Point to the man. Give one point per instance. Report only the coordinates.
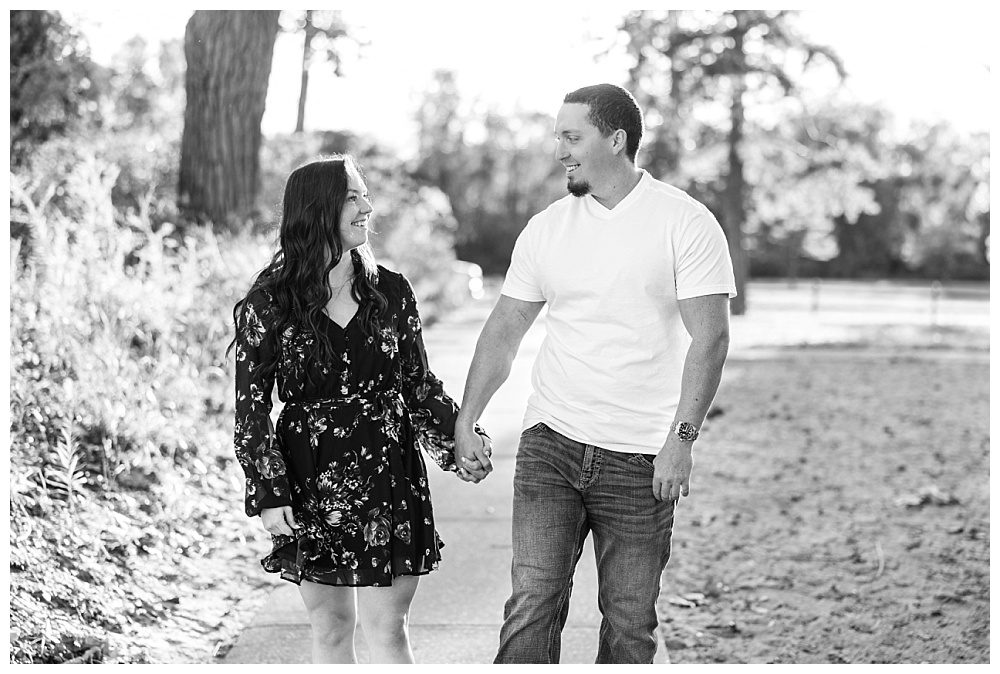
(637, 277)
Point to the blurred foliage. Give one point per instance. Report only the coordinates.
(832, 189)
(54, 86)
(946, 202)
(497, 170)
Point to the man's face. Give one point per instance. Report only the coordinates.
(581, 148)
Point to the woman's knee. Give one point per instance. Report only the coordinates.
(386, 626)
(332, 624)
(331, 612)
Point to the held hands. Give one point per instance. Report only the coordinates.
(279, 521)
(472, 455)
(672, 470)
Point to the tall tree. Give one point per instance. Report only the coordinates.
(228, 65)
(726, 53)
(324, 36)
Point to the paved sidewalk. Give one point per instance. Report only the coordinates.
(458, 609)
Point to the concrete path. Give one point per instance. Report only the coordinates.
(458, 609)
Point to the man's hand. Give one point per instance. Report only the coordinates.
(672, 470)
(472, 455)
(279, 521)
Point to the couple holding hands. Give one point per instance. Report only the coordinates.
(637, 277)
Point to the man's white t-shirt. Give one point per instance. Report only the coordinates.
(609, 370)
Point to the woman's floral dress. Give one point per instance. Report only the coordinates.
(344, 453)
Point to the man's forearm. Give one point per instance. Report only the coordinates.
(700, 381)
(489, 369)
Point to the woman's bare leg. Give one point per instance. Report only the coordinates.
(332, 616)
(385, 616)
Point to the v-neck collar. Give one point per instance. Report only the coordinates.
(345, 325)
(599, 210)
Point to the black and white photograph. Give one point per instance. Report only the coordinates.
(439, 333)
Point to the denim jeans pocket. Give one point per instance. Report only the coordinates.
(642, 460)
(537, 429)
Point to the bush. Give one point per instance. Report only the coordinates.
(118, 380)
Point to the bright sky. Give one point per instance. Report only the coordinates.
(921, 64)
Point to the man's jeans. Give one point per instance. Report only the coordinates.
(563, 490)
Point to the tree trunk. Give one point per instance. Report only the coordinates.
(733, 197)
(984, 237)
(307, 52)
(228, 65)
(675, 120)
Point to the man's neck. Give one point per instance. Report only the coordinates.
(618, 186)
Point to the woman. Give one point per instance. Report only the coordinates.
(339, 483)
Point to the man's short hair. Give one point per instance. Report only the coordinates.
(612, 108)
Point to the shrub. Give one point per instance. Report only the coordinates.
(118, 379)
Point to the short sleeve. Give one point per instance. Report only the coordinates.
(702, 265)
(522, 281)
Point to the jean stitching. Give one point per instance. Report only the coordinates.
(564, 595)
(593, 470)
(534, 431)
(587, 467)
(641, 460)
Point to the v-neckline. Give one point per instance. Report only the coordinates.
(345, 325)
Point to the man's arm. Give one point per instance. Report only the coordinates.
(495, 351)
(707, 321)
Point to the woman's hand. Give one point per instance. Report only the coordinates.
(473, 457)
(279, 521)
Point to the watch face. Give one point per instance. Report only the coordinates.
(686, 431)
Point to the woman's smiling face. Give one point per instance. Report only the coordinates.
(356, 212)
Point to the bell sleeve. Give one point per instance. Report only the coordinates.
(432, 411)
(256, 448)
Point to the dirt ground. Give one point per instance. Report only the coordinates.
(839, 513)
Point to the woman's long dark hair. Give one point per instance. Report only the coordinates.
(296, 277)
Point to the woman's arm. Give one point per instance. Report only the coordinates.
(432, 411)
(256, 449)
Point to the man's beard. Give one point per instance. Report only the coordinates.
(579, 189)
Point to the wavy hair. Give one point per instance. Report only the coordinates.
(309, 246)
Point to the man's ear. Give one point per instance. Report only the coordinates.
(619, 140)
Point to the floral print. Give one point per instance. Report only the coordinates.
(345, 452)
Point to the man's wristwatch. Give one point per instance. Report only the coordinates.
(685, 431)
